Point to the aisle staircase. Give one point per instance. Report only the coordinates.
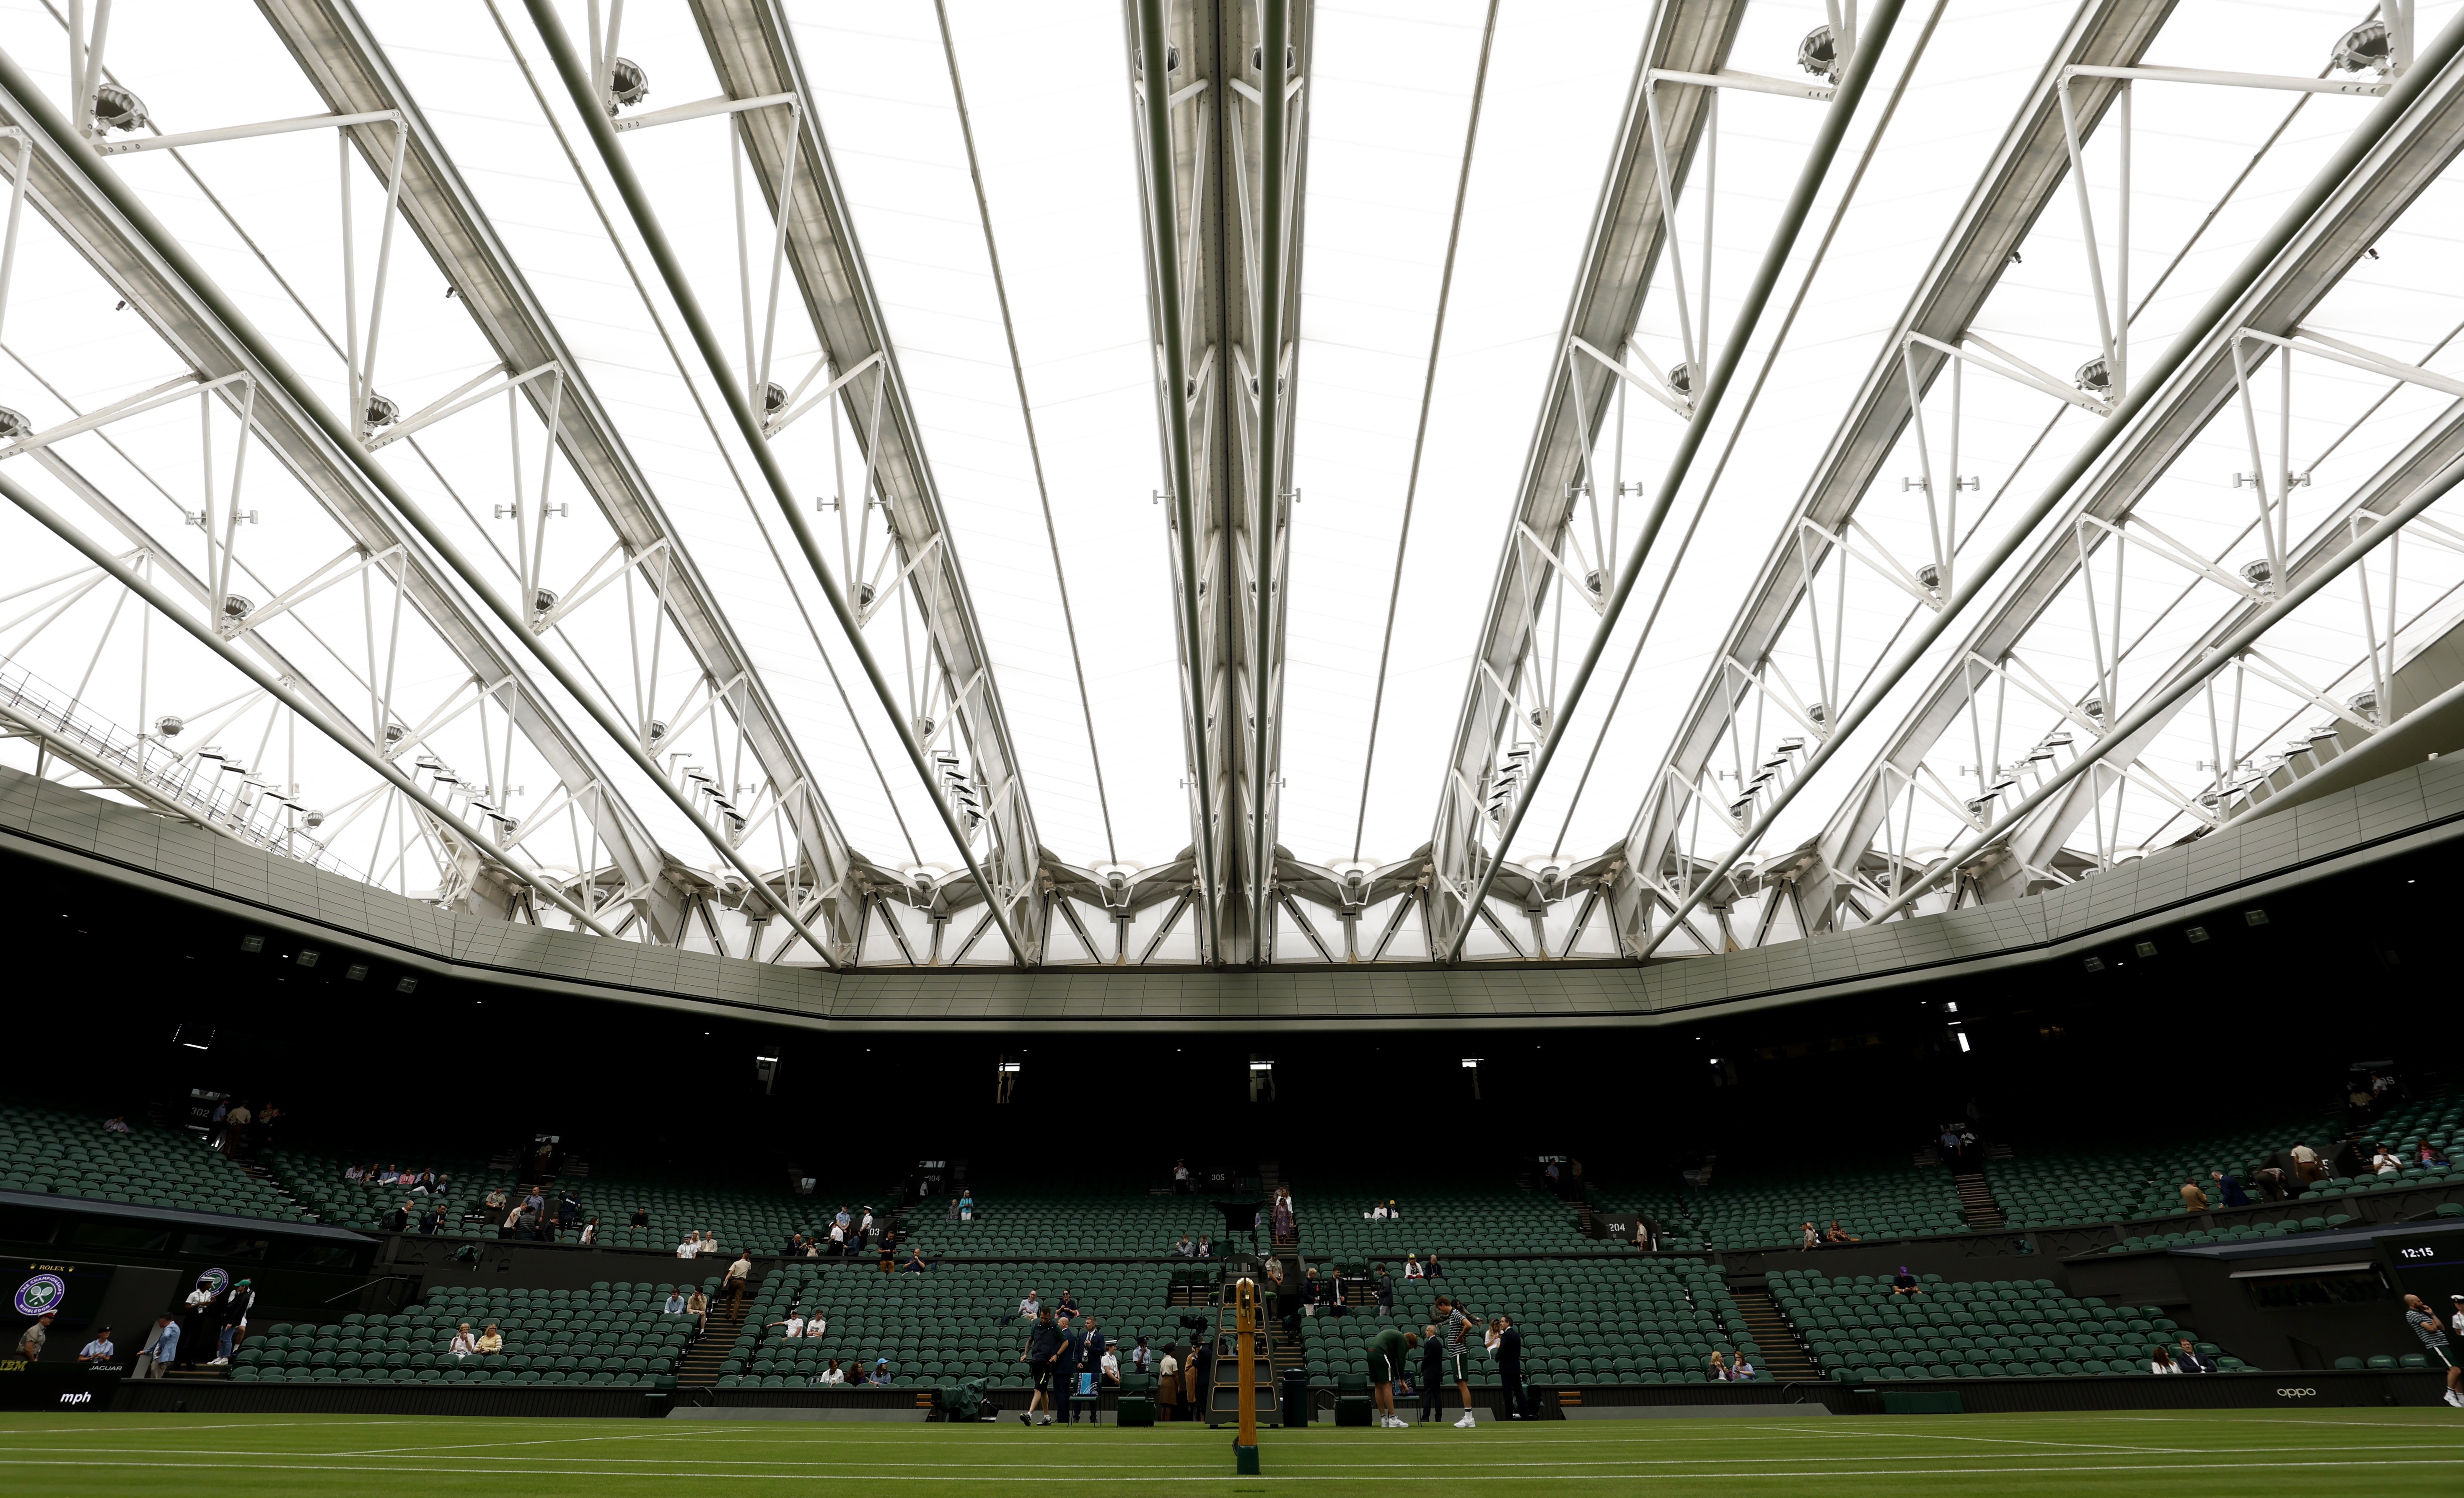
(252, 1168)
(1785, 1359)
(1976, 1201)
(717, 1343)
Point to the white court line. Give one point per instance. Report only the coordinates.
(544, 1440)
(2011, 1441)
(230, 1424)
(1467, 1476)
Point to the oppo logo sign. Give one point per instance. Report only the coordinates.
(2296, 1393)
(77, 1398)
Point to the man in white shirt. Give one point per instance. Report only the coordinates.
(1030, 1307)
(98, 1351)
(690, 1247)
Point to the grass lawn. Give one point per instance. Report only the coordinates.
(2178, 1455)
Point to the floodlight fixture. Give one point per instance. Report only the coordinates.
(628, 84)
(116, 108)
(1819, 54)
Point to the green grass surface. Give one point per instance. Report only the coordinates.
(2169, 1453)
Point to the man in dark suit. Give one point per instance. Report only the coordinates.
(1066, 1362)
(2187, 1358)
(1512, 1401)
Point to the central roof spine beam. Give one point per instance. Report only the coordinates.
(2027, 170)
(2396, 150)
(752, 49)
(103, 220)
(1222, 150)
(347, 67)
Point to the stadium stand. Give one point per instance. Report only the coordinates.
(1449, 1216)
(1628, 1321)
(72, 1154)
(612, 1333)
(1858, 1330)
(959, 1321)
(1763, 1209)
(1093, 1216)
(315, 1179)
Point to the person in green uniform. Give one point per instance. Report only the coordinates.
(1386, 1352)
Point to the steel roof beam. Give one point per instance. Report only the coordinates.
(2027, 170)
(1012, 851)
(349, 68)
(2403, 159)
(103, 222)
(753, 48)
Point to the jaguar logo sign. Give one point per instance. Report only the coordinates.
(2296, 1393)
(41, 1295)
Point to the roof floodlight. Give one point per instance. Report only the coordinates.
(2259, 573)
(628, 84)
(2094, 707)
(2364, 703)
(774, 397)
(1258, 58)
(1819, 54)
(14, 425)
(924, 726)
(544, 599)
(115, 108)
(1170, 58)
(1680, 379)
(1930, 576)
(238, 606)
(312, 820)
(2364, 49)
(382, 412)
(393, 733)
(2094, 378)
(1818, 712)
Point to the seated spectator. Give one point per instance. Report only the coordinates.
(1808, 1236)
(2228, 1189)
(952, 1215)
(388, 1176)
(432, 1219)
(1205, 1246)
(697, 1306)
(2383, 1161)
(1904, 1283)
(2194, 1200)
(396, 1220)
(1436, 1271)
(1837, 1234)
(691, 1247)
(675, 1306)
(1719, 1367)
(915, 1264)
(1742, 1371)
(1031, 1307)
(491, 1341)
(1394, 1209)
(116, 1123)
(355, 1173)
(98, 1351)
(2191, 1361)
(1184, 1249)
(792, 1327)
(2161, 1361)
(1412, 1269)
(2431, 1158)
(833, 1374)
(880, 1375)
(464, 1344)
(590, 1232)
(1067, 1304)
(1377, 1212)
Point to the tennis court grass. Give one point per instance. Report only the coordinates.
(2178, 1454)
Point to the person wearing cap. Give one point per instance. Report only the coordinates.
(235, 1305)
(98, 1351)
(880, 1372)
(2434, 1345)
